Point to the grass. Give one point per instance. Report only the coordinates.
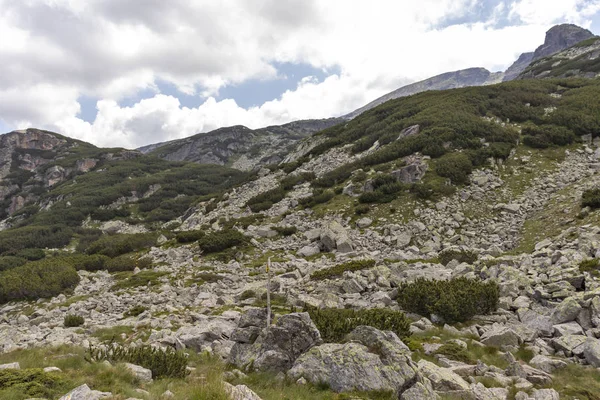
(113, 334)
(143, 278)
(577, 382)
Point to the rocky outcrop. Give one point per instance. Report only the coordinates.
(561, 37)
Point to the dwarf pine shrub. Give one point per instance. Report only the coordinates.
(591, 198)
(338, 270)
(189, 236)
(31, 382)
(455, 300)
(164, 363)
(459, 255)
(72, 321)
(221, 240)
(334, 324)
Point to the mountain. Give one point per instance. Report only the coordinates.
(558, 38)
(240, 147)
(448, 80)
(581, 60)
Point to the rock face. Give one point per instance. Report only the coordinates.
(245, 148)
(518, 66)
(372, 360)
(275, 348)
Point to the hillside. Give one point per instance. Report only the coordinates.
(464, 221)
(239, 147)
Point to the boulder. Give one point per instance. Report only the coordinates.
(442, 379)
(14, 365)
(371, 360)
(422, 389)
(83, 392)
(591, 352)
(411, 173)
(142, 374)
(240, 392)
(541, 323)
(309, 250)
(547, 364)
(500, 336)
(570, 344)
(334, 236)
(277, 347)
(364, 222)
(566, 311)
(569, 328)
(545, 394)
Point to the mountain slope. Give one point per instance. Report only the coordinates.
(239, 147)
(448, 80)
(558, 38)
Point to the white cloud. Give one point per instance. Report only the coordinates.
(55, 51)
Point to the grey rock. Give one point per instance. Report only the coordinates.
(364, 222)
(500, 336)
(547, 364)
(240, 392)
(141, 373)
(309, 250)
(566, 311)
(84, 392)
(591, 352)
(442, 379)
(14, 365)
(568, 328)
(545, 394)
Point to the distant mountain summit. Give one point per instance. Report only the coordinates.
(558, 38)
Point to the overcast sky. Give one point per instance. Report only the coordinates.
(135, 72)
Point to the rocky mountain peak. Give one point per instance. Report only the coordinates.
(560, 37)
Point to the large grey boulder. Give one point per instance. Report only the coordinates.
(541, 323)
(499, 336)
(422, 389)
(84, 392)
(141, 373)
(442, 379)
(240, 392)
(566, 311)
(591, 352)
(547, 364)
(570, 344)
(14, 365)
(277, 347)
(372, 360)
(334, 236)
(411, 173)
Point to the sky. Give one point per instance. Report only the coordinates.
(136, 72)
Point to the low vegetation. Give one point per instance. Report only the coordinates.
(334, 324)
(73, 321)
(591, 198)
(221, 240)
(454, 300)
(338, 270)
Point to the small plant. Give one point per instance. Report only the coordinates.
(189, 236)
(591, 198)
(285, 230)
(135, 311)
(338, 270)
(592, 266)
(166, 363)
(334, 324)
(361, 209)
(247, 294)
(455, 352)
(221, 240)
(72, 321)
(455, 300)
(459, 255)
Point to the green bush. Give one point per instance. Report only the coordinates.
(454, 166)
(31, 254)
(285, 230)
(27, 237)
(38, 279)
(592, 266)
(455, 352)
(221, 240)
(72, 321)
(547, 135)
(127, 262)
(361, 209)
(334, 324)
(338, 270)
(135, 311)
(459, 255)
(32, 383)
(591, 198)
(8, 262)
(265, 200)
(118, 244)
(164, 363)
(143, 278)
(319, 196)
(455, 300)
(189, 236)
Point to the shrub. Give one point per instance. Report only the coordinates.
(455, 300)
(319, 196)
(338, 270)
(454, 166)
(38, 279)
(164, 363)
(94, 262)
(591, 198)
(247, 294)
(127, 263)
(31, 254)
(265, 200)
(361, 209)
(135, 311)
(72, 321)
(285, 230)
(454, 351)
(221, 240)
(334, 324)
(115, 245)
(144, 278)
(547, 135)
(592, 266)
(8, 262)
(459, 255)
(189, 236)
(31, 383)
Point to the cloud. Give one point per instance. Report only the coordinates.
(56, 51)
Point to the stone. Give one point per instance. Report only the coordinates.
(570, 344)
(403, 240)
(142, 374)
(547, 364)
(591, 352)
(309, 250)
(277, 347)
(84, 392)
(364, 222)
(569, 328)
(411, 173)
(541, 323)
(566, 311)
(442, 379)
(500, 336)
(240, 392)
(52, 369)
(371, 360)
(545, 394)
(14, 365)
(421, 390)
